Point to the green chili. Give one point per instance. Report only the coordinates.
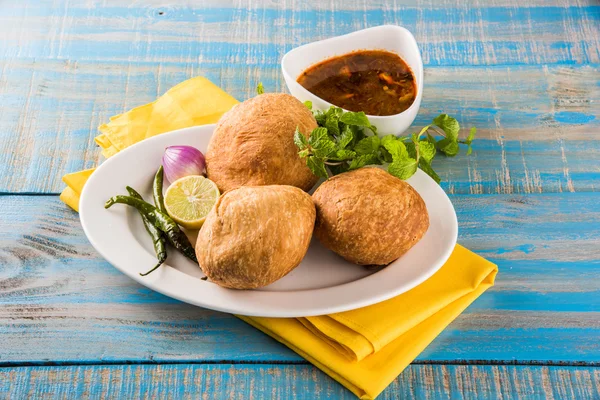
(161, 220)
(158, 238)
(157, 190)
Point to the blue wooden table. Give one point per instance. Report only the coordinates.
(527, 74)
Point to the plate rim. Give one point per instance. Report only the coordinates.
(302, 311)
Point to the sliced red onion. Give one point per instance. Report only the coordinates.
(180, 161)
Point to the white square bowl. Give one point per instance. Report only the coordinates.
(390, 38)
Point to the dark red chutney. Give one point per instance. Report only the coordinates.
(374, 81)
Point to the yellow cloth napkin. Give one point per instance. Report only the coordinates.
(363, 349)
(366, 349)
(196, 101)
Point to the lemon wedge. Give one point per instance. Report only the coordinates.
(189, 200)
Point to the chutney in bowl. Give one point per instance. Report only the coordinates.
(376, 82)
(388, 38)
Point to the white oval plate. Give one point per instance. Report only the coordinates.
(323, 283)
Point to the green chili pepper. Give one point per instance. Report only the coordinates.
(158, 238)
(161, 220)
(157, 190)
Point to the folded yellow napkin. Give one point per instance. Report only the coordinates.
(196, 101)
(363, 349)
(366, 349)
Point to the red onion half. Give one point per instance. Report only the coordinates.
(180, 161)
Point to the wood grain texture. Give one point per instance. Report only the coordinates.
(538, 127)
(252, 34)
(527, 75)
(55, 289)
(294, 382)
(66, 68)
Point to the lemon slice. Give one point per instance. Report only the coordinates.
(189, 200)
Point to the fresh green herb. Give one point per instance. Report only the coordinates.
(355, 118)
(320, 143)
(470, 140)
(404, 168)
(260, 89)
(300, 140)
(362, 160)
(448, 124)
(317, 166)
(368, 145)
(346, 140)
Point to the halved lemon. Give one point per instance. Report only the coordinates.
(189, 200)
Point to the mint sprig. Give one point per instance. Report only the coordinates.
(260, 89)
(346, 141)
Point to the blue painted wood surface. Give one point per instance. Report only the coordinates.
(527, 75)
(283, 382)
(257, 34)
(545, 307)
(537, 127)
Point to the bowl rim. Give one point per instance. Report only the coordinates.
(411, 39)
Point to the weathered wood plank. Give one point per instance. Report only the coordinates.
(294, 381)
(455, 33)
(65, 68)
(55, 289)
(351, 5)
(541, 123)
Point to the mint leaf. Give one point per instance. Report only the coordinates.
(308, 104)
(385, 155)
(423, 131)
(359, 134)
(317, 167)
(304, 153)
(388, 138)
(385, 142)
(403, 169)
(321, 143)
(343, 155)
(320, 116)
(448, 147)
(345, 137)
(332, 124)
(395, 147)
(259, 88)
(368, 145)
(430, 139)
(448, 124)
(326, 147)
(355, 118)
(470, 140)
(362, 160)
(410, 149)
(426, 150)
(317, 135)
(335, 111)
(300, 140)
(426, 167)
(471, 135)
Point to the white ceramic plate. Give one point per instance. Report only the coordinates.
(323, 283)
